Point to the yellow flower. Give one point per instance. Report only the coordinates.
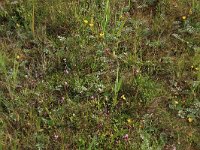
(101, 34)
(195, 68)
(129, 121)
(123, 97)
(190, 120)
(18, 57)
(91, 25)
(184, 17)
(176, 102)
(85, 21)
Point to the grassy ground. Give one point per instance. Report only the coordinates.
(100, 74)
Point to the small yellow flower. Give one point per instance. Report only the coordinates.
(91, 25)
(129, 120)
(18, 57)
(196, 69)
(176, 102)
(121, 17)
(85, 21)
(184, 17)
(123, 97)
(101, 34)
(190, 120)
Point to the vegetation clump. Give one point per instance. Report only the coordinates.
(97, 74)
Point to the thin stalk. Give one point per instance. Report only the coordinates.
(33, 19)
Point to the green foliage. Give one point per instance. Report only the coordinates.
(117, 87)
(147, 89)
(99, 74)
(149, 143)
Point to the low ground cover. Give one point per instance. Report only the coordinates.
(109, 74)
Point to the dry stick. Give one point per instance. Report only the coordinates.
(33, 20)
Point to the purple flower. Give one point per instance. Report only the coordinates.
(125, 137)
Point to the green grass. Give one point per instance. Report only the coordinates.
(108, 74)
